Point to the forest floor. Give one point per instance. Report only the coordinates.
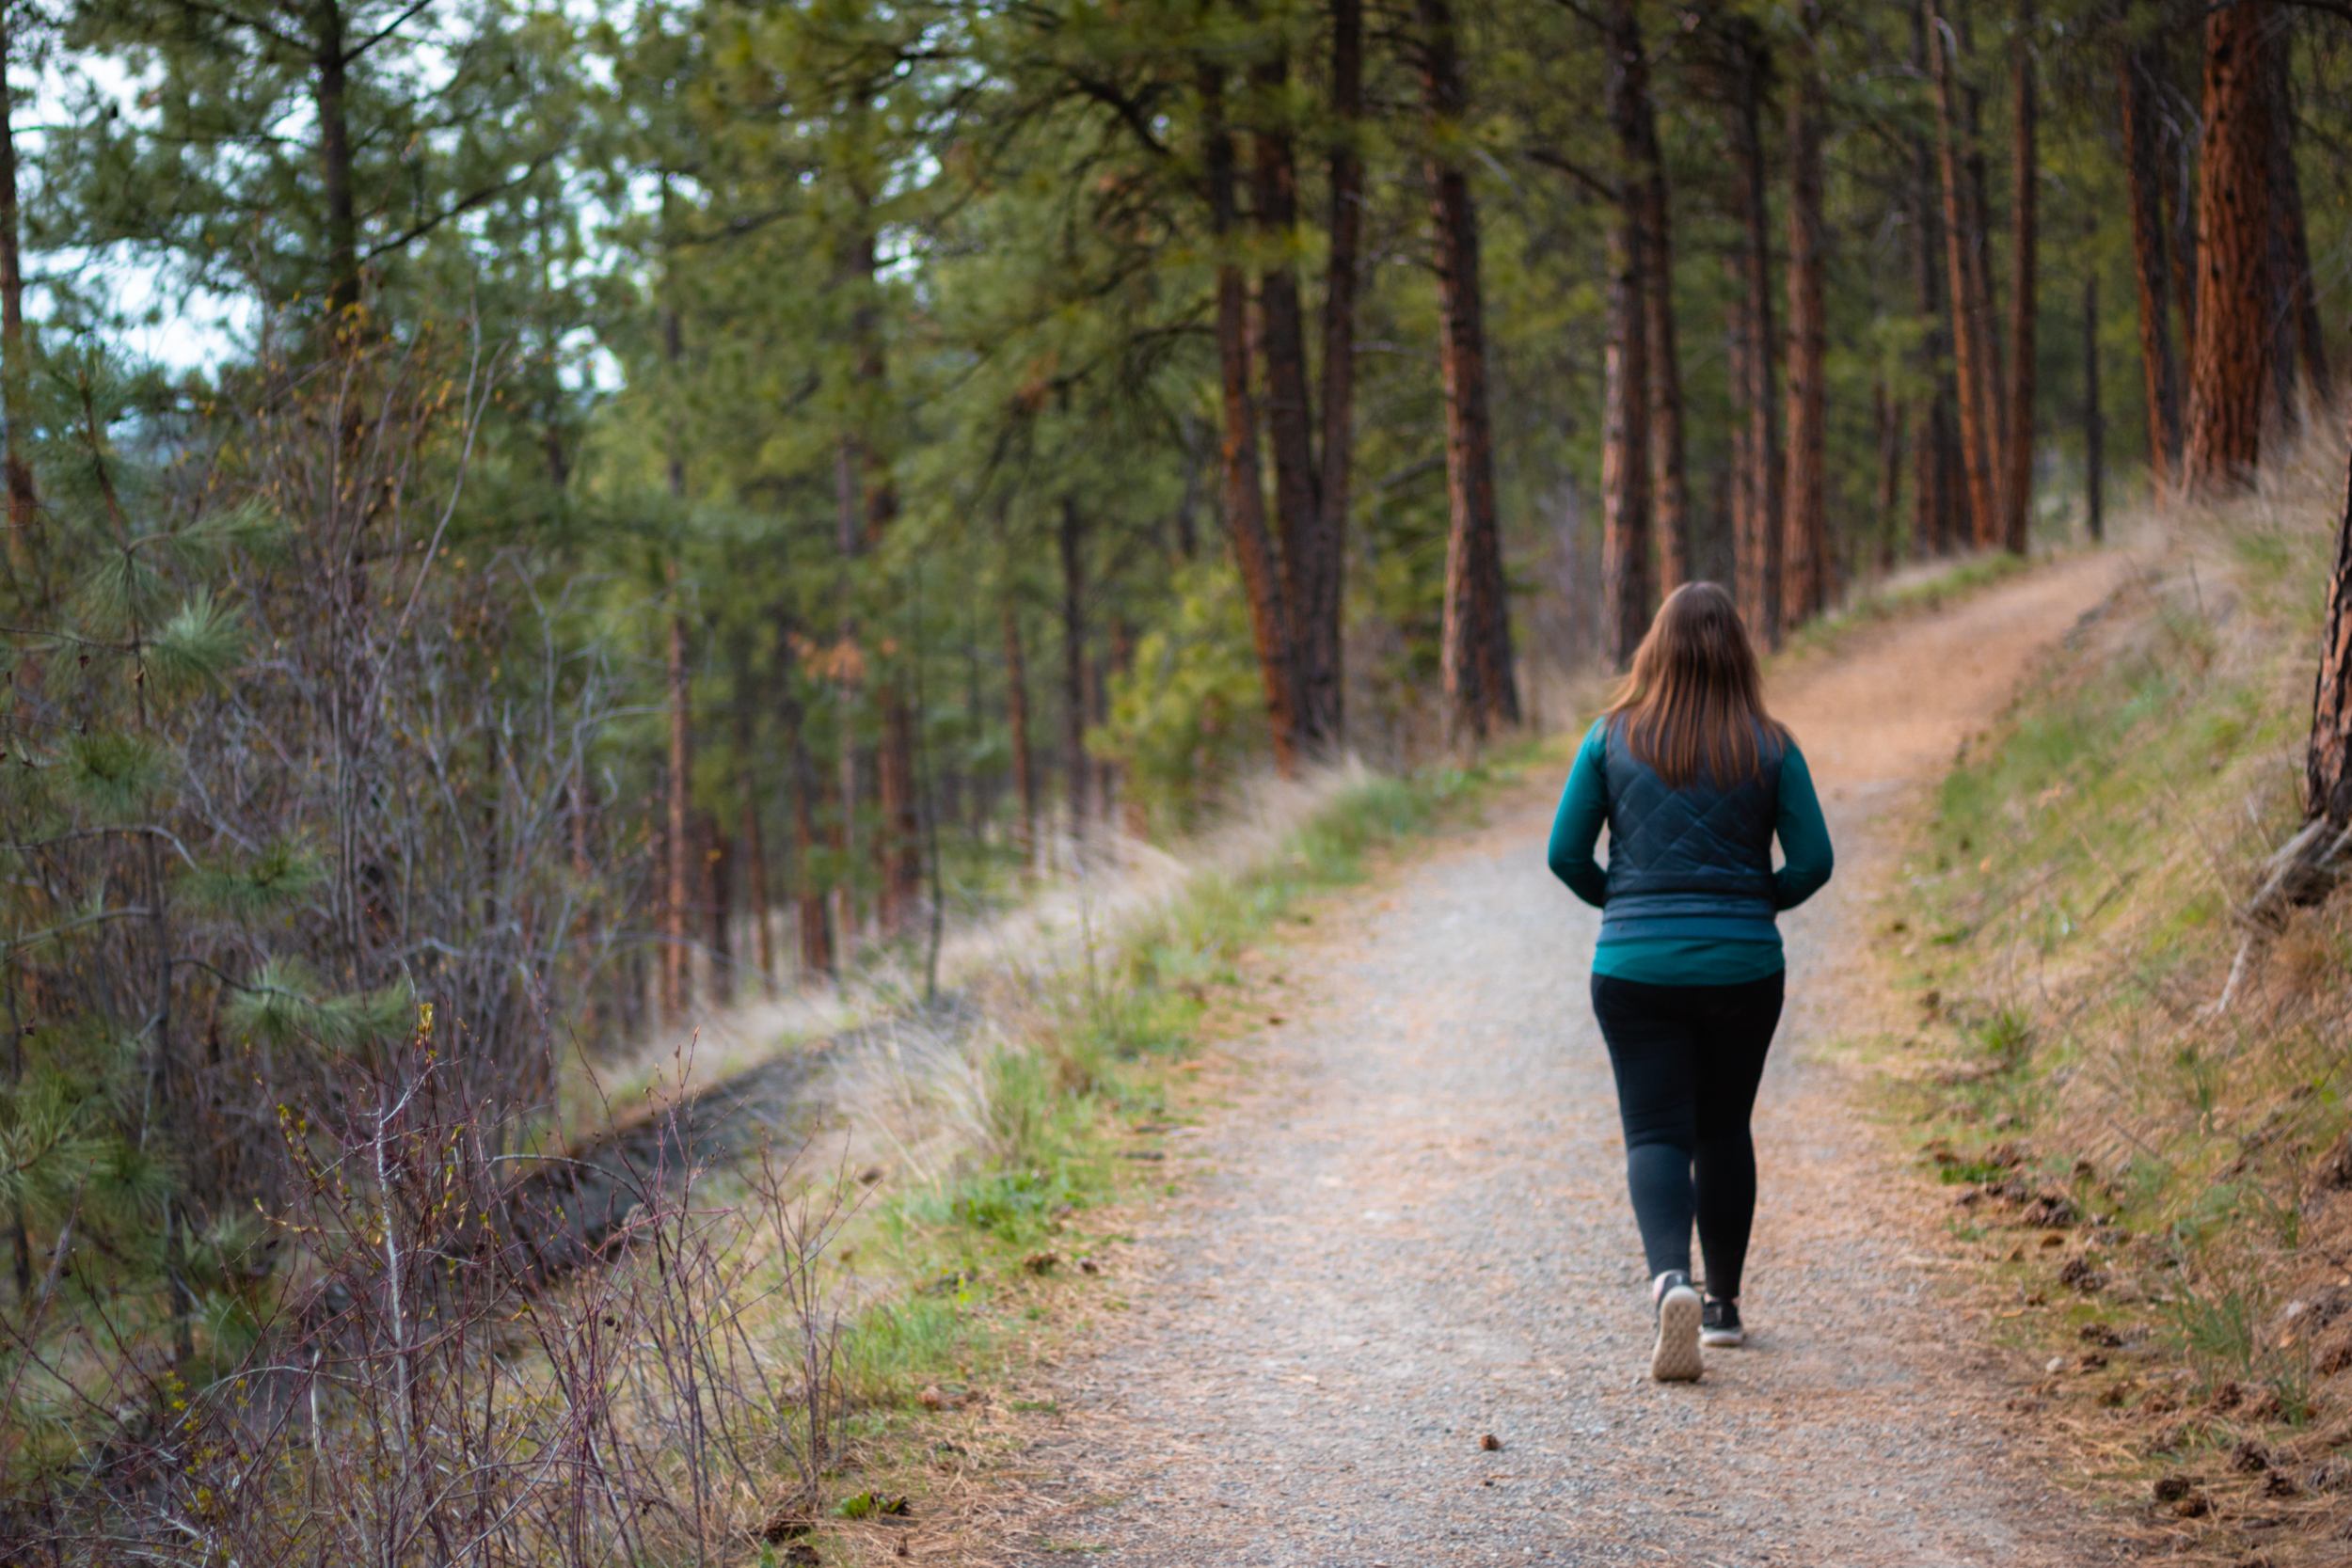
(1403, 1228)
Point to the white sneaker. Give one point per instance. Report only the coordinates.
(1676, 1356)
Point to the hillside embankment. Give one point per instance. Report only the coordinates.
(2145, 1158)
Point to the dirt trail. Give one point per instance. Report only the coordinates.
(1412, 1230)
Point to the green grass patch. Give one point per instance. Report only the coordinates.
(2132, 1159)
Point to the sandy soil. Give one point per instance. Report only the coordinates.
(1410, 1232)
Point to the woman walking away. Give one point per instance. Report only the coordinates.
(1692, 778)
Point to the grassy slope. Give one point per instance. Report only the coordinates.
(2133, 1163)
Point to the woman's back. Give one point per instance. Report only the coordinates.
(1693, 781)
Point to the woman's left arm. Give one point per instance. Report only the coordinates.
(1803, 837)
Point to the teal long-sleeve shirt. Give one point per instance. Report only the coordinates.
(1695, 961)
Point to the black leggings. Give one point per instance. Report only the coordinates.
(1688, 1059)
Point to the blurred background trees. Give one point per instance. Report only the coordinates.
(571, 517)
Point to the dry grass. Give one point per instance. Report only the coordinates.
(2150, 1177)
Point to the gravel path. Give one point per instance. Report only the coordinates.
(1411, 1232)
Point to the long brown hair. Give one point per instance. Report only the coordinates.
(1693, 702)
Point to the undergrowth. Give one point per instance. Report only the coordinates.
(2149, 1176)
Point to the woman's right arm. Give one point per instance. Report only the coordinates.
(1583, 811)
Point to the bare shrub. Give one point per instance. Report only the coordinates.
(421, 1393)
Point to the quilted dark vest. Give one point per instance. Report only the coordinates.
(1694, 861)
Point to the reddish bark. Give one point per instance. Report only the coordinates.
(1739, 491)
(1339, 348)
(2228, 356)
(1309, 545)
(1481, 686)
(1670, 482)
(1244, 500)
(2328, 765)
(2025, 181)
(1757, 541)
(1804, 550)
(1969, 335)
(1624, 462)
(2152, 266)
(1933, 453)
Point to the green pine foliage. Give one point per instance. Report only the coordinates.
(498, 469)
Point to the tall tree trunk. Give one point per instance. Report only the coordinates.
(1309, 547)
(754, 841)
(717, 879)
(756, 855)
(2095, 422)
(2328, 762)
(900, 847)
(1891, 420)
(1017, 721)
(1338, 346)
(811, 908)
(2025, 182)
(16, 384)
(1244, 497)
(330, 65)
(1743, 506)
(1669, 480)
(1625, 460)
(2298, 300)
(1934, 463)
(1968, 306)
(1988, 297)
(2152, 265)
(1077, 768)
(898, 837)
(1481, 686)
(1804, 552)
(1756, 561)
(2229, 357)
(677, 993)
(2180, 177)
